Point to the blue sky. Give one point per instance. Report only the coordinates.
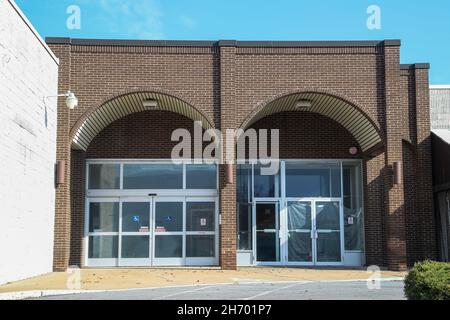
(423, 26)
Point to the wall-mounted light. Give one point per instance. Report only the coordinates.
(150, 104)
(229, 172)
(353, 151)
(60, 172)
(303, 104)
(397, 172)
(71, 99)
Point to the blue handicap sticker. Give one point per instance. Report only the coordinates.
(135, 218)
(169, 218)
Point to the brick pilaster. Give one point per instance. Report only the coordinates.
(62, 196)
(395, 115)
(424, 208)
(228, 234)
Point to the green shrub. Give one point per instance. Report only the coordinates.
(428, 280)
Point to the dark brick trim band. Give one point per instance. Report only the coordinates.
(220, 43)
(415, 66)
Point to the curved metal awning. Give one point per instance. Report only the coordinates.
(122, 106)
(350, 117)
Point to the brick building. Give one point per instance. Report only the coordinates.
(354, 186)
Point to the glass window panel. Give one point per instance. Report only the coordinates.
(169, 246)
(329, 247)
(335, 173)
(200, 246)
(201, 176)
(266, 216)
(266, 186)
(245, 227)
(299, 247)
(169, 217)
(200, 216)
(353, 211)
(104, 176)
(327, 216)
(136, 216)
(103, 247)
(299, 215)
(152, 176)
(244, 207)
(244, 183)
(305, 180)
(104, 217)
(135, 247)
(267, 246)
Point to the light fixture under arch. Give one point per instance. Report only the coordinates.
(127, 104)
(350, 117)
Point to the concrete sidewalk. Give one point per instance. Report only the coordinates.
(121, 278)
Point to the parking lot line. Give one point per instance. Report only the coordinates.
(275, 290)
(183, 292)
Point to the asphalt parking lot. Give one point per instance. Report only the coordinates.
(301, 290)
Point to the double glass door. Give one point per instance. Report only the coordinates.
(303, 232)
(154, 231)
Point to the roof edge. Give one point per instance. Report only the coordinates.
(30, 26)
(415, 66)
(219, 43)
(440, 86)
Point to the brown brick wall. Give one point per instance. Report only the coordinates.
(143, 135)
(227, 82)
(308, 135)
(78, 182)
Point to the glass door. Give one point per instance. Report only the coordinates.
(300, 232)
(168, 231)
(267, 233)
(135, 235)
(314, 232)
(328, 223)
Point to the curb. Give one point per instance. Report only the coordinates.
(22, 295)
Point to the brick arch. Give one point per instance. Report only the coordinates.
(127, 102)
(351, 116)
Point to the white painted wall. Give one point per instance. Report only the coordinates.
(28, 73)
(440, 107)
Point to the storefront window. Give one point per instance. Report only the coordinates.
(353, 211)
(244, 226)
(266, 186)
(201, 176)
(244, 206)
(103, 247)
(200, 216)
(174, 222)
(152, 176)
(200, 246)
(104, 176)
(313, 180)
(103, 217)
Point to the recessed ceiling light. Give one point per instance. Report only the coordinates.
(303, 104)
(150, 104)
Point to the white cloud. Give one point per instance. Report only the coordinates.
(141, 19)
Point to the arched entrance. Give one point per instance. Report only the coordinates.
(131, 205)
(312, 211)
